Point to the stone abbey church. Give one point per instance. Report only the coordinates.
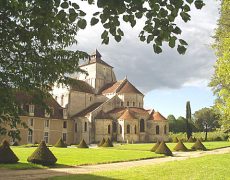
(96, 106)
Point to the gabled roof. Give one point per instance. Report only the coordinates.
(87, 110)
(95, 57)
(26, 99)
(81, 86)
(122, 86)
(127, 115)
(156, 116)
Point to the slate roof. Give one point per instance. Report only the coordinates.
(81, 86)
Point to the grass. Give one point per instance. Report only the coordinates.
(148, 146)
(209, 167)
(75, 156)
(119, 153)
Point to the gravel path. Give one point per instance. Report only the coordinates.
(7, 174)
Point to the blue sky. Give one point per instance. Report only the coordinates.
(174, 101)
(168, 80)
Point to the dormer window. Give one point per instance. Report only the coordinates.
(64, 113)
(49, 112)
(31, 110)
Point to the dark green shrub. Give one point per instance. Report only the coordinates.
(60, 143)
(180, 146)
(101, 142)
(198, 146)
(218, 138)
(108, 143)
(7, 156)
(155, 146)
(163, 149)
(42, 155)
(82, 144)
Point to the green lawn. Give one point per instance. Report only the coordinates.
(75, 156)
(211, 167)
(148, 146)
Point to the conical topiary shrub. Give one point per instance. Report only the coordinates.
(42, 155)
(82, 144)
(190, 139)
(7, 156)
(101, 142)
(108, 143)
(198, 146)
(163, 149)
(180, 146)
(175, 140)
(155, 146)
(60, 143)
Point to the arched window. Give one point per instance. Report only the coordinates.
(128, 129)
(85, 126)
(109, 129)
(120, 129)
(165, 129)
(127, 103)
(135, 129)
(142, 125)
(133, 104)
(157, 129)
(114, 127)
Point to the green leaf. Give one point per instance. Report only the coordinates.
(139, 15)
(96, 13)
(177, 30)
(64, 5)
(186, 8)
(94, 21)
(82, 23)
(75, 5)
(157, 49)
(190, 1)
(104, 34)
(172, 42)
(82, 13)
(126, 18)
(120, 32)
(150, 38)
(183, 42)
(105, 41)
(90, 1)
(117, 38)
(185, 16)
(181, 49)
(142, 38)
(199, 4)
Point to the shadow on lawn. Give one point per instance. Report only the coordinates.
(83, 177)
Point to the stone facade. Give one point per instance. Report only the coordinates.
(92, 107)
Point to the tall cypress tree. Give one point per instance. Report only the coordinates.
(188, 119)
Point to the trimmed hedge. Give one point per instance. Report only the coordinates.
(180, 146)
(175, 140)
(163, 149)
(82, 144)
(7, 156)
(42, 155)
(101, 142)
(198, 146)
(60, 143)
(155, 146)
(108, 143)
(191, 139)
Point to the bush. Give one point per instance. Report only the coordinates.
(198, 146)
(155, 146)
(101, 142)
(108, 143)
(42, 155)
(82, 144)
(163, 149)
(180, 146)
(60, 143)
(7, 156)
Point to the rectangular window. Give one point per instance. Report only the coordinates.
(31, 110)
(65, 124)
(46, 137)
(75, 127)
(47, 123)
(121, 104)
(30, 137)
(31, 122)
(133, 104)
(64, 137)
(64, 113)
(127, 103)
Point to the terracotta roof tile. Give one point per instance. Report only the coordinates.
(156, 116)
(127, 87)
(111, 87)
(127, 115)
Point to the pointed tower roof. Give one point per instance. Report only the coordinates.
(96, 54)
(127, 115)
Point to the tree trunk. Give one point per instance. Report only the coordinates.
(206, 132)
